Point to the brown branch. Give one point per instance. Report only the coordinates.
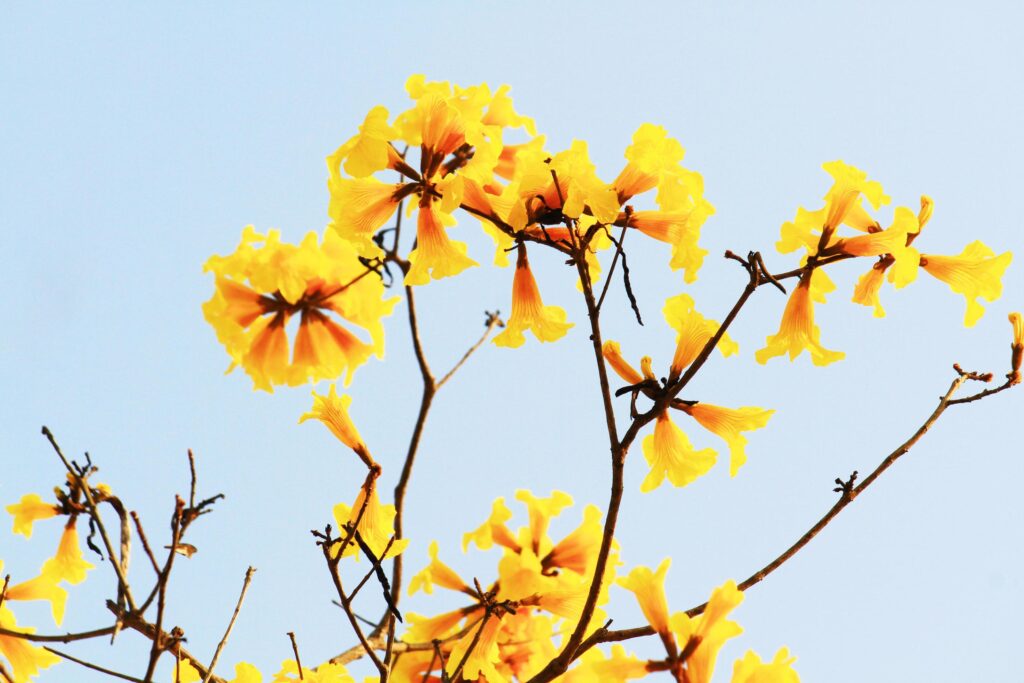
(346, 606)
(231, 624)
(615, 258)
(162, 581)
(489, 324)
(982, 394)
(65, 638)
(295, 649)
(849, 492)
(5, 674)
(560, 663)
(83, 484)
(172, 643)
(145, 542)
(94, 667)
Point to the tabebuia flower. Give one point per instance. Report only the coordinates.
(976, 273)
(374, 521)
(437, 573)
(435, 256)
(704, 635)
(266, 283)
(332, 411)
(67, 563)
(481, 659)
(649, 589)
(528, 310)
(42, 587)
(750, 669)
(670, 454)
(1017, 347)
(29, 510)
(729, 424)
(693, 332)
(797, 331)
(613, 356)
(24, 658)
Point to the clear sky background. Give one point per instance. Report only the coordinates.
(138, 140)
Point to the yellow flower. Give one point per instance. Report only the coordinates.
(651, 154)
(332, 410)
(67, 563)
(976, 273)
(849, 184)
(613, 356)
(869, 284)
(892, 240)
(29, 510)
(425, 629)
(42, 587)
(246, 673)
(482, 658)
(370, 150)
(529, 312)
(728, 423)
(25, 658)
(541, 511)
(617, 668)
(710, 630)
(494, 530)
(694, 331)
(797, 330)
(318, 282)
(670, 453)
(360, 207)
(435, 256)
(578, 551)
(325, 673)
(649, 589)
(184, 672)
(437, 572)
(750, 669)
(681, 230)
(376, 526)
(1017, 348)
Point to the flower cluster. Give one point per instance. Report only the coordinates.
(975, 273)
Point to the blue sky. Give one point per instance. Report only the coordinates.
(139, 140)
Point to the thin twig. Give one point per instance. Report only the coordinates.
(490, 323)
(94, 514)
(145, 542)
(560, 663)
(65, 638)
(849, 493)
(5, 674)
(615, 260)
(94, 667)
(192, 484)
(3, 591)
(231, 624)
(295, 649)
(162, 581)
(172, 642)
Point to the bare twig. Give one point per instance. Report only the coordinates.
(94, 515)
(490, 323)
(145, 542)
(94, 667)
(162, 581)
(64, 638)
(295, 649)
(192, 484)
(231, 624)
